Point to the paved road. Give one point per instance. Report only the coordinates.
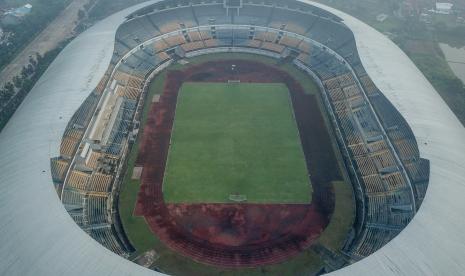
(57, 31)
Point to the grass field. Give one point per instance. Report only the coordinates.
(335, 233)
(137, 230)
(235, 139)
(307, 83)
(170, 261)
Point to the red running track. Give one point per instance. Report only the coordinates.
(236, 235)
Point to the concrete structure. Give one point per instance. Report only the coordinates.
(382, 17)
(38, 237)
(14, 16)
(444, 8)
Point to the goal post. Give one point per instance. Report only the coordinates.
(238, 198)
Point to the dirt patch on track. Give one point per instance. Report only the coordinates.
(236, 235)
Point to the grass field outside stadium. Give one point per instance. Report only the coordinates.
(235, 140)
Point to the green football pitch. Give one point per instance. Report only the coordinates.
(235, 141)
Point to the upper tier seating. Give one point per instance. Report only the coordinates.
(290, 21)
(248, 15)
(211, 15)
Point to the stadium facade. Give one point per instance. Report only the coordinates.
(357, 67)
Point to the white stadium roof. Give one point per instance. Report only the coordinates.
(38, 237)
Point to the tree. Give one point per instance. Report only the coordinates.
(440, 26)
(38, 58)
(24, 73)
(9, 87)
(81, 14)
(17, 81)
(30, 69)
(3, 97)
(32, 61)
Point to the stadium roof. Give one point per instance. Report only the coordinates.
(38, 237)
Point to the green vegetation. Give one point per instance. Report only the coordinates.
(365, 10)
(335, 233)
(438, 72)
(235, 139)
(16, 38)
(137, 230)
(170, 262)
(42, 13)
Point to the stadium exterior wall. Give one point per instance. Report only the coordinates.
(38, 237)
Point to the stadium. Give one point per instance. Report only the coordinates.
(227, 137)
